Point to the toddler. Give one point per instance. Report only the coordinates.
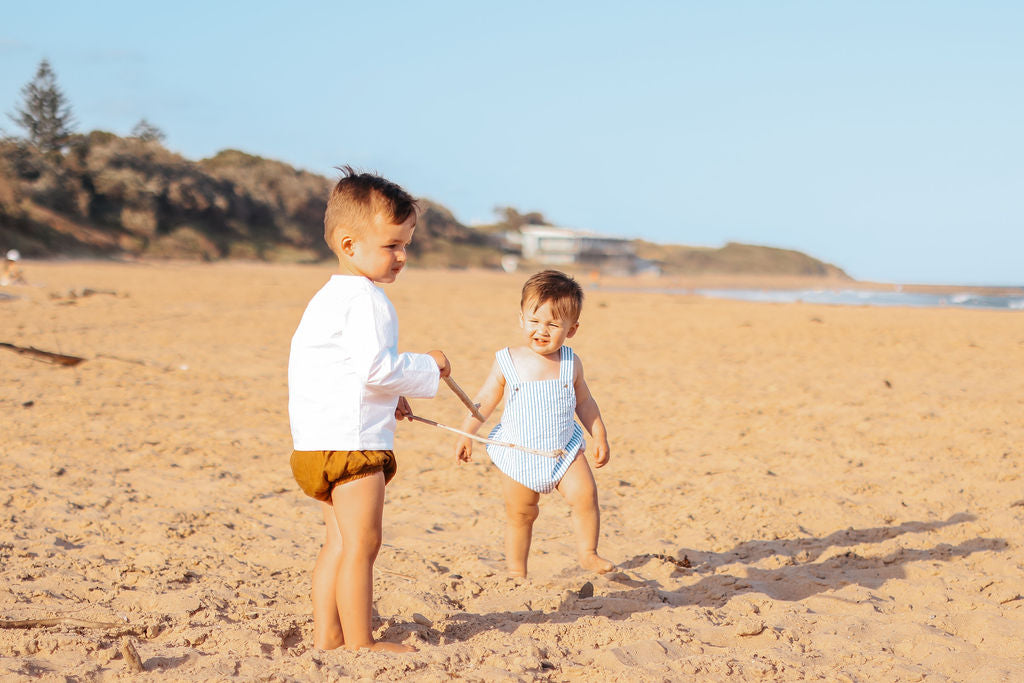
(544, 388)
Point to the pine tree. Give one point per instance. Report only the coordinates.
(147, 132)
(45, 113)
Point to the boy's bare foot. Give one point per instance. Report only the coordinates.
(595, 563)
(329, 641)
(396, 648)
(329, 644)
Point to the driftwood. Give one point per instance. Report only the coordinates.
(63, 359)
(399, 574)
(56, 621)
(45, 356)
(82, 292)
(136, 361)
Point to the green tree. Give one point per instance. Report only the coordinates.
(147, 132)
(45, 113)
(511, 219)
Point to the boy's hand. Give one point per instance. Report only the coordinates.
(442, 362)
(602, 454)
(464, 449)
(403, 411)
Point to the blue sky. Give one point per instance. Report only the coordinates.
(884, 137)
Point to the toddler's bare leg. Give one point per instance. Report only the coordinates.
(359, 511)
(521, 511)
(327, 633)
(580, 491)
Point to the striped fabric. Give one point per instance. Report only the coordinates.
(540, 415)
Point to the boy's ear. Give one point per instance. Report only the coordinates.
(347, 244)
(572, 330)
(522, 320)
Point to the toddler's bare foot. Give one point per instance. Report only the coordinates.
(595, 563)
(515, 572)
(396, 648)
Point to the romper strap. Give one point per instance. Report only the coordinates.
(508, 368)
(566, 365)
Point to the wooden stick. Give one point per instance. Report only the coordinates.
(399, 574)
(136, 361)
(46, 356)
(547, 454)
(464, 397)
(55, 621)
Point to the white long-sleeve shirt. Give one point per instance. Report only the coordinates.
(345, 373)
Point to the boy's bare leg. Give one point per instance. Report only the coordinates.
(327, 633)
(359, 511)
(579, 490)
(521, 511)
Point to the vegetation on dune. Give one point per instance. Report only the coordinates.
(67, 194)
(735, 259)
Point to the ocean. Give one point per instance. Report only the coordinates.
(1012, 301)
(853, 297)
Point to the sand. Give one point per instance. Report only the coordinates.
(795, 491)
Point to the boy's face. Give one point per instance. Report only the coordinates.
(379, 254)
(545, 330)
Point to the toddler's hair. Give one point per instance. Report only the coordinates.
(358, 199)
(564, 293)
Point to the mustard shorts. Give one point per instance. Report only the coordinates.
(318, 472)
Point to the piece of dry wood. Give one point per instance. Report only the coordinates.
(547, 454)
(56, 621)
(45, 356)
(136, 361)
(464, 397)
(394, 573)
(131, 656)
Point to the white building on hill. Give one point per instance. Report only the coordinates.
(554, 246)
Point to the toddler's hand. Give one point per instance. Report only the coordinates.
(464, 449)
(442, 362)
(403, 411)
(602, 454)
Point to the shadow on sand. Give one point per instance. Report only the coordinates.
(799, 576)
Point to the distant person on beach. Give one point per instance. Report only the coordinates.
(543, 384)
(12, 273)
(346, 390)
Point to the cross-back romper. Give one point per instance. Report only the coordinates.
(539, 414)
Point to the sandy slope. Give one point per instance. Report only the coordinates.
(845, 484)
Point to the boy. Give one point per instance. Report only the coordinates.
(545, 389)
(346, 389)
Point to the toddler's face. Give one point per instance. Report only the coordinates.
(380, 254)
(545, 330)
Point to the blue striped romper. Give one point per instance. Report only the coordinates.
(541, 415)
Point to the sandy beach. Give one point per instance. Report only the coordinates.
(796, 492)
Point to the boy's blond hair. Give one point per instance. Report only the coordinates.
(358, 200)
(564, 293)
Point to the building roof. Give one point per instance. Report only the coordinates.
(555, 231)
